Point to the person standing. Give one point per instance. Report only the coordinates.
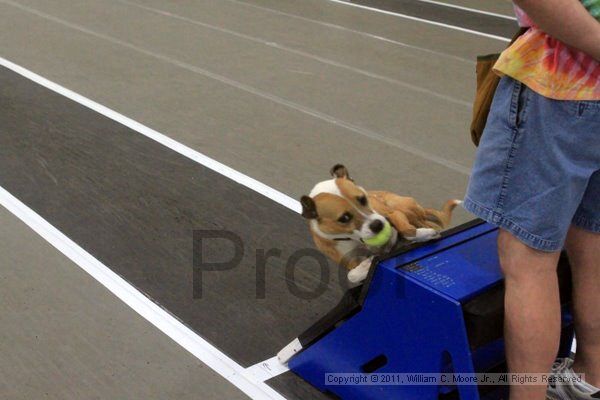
(537, 177)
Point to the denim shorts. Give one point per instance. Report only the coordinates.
(537, 169)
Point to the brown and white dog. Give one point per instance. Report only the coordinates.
(342, 215)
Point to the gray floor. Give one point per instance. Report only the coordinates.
(277, 89)
(63, 336)
(503, 7)
(395, 131)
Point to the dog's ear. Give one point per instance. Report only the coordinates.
(309, 208)
(339, 171)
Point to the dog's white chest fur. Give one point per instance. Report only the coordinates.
(345, 247)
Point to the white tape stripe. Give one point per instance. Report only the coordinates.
(153, 313)
(185, 151)
(259, 93)
(300, 53)
(232, 82)
(187, 338)
(354, 31)
(265, 370)
(426, 21)
(473, 10)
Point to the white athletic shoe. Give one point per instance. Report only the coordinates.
(570, 390)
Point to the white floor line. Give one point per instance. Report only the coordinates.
(293, 51)
(182, 149)
(473, 10)
(265, 370)
(353, 31)
(257, 92)
(426, 21)
(243, 379)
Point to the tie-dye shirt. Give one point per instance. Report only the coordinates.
(550, 67)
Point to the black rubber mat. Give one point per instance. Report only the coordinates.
(135, 204)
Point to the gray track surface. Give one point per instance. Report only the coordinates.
(442, 13)
(503, 7)
(394, 131)
(277, 89)
(63, 336)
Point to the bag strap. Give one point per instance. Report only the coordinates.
(518, 34)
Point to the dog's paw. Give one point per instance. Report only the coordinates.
(424, 234)
(360, 272)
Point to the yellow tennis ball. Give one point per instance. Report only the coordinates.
(381, 238)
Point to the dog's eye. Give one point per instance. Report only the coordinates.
(345, 218)
(362, 200)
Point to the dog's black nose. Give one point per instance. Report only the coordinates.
(376, 226)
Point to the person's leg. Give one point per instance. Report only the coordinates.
(533, 165)
(532, 311)
(583, 248)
